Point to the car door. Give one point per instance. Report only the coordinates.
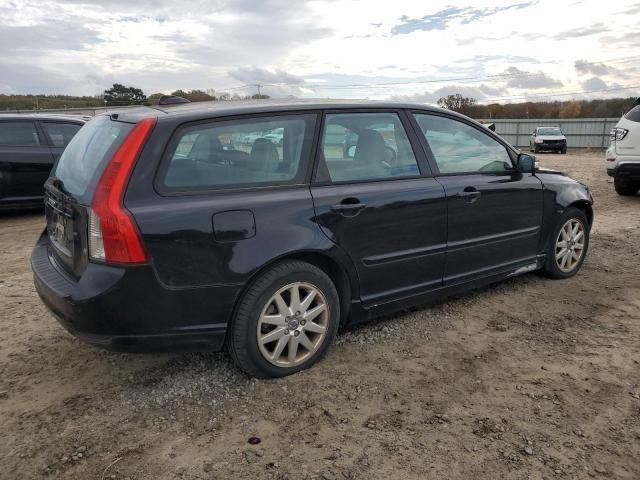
(25, 159)
(374, 197)
(494, 211)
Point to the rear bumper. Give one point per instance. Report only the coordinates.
(625, 170)
(127, 309)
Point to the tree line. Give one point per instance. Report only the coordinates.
(600, 108)
(116, 96)
(121, 95)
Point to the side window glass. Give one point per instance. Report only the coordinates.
(60, 133)
(19, 134)
(365, 146)
(258, 151)
(460, 148)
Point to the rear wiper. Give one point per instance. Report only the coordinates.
(58, 184)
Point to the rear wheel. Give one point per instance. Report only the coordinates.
(569, 245)
(625, 187)
(564, 150)
(285, 321)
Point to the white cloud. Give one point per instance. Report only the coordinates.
(336, 48)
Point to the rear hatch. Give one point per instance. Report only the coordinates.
(629, 144)
(70, 188)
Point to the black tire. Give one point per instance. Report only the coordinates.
(242, 340)
(551, 268)
(536, 149)
(564, 150)
(625, 187)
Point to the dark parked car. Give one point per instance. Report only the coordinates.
(29, 146)
(165, 230)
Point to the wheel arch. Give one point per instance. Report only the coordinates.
(346, 284)
(586, 207)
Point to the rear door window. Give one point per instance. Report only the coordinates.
(60, 134)
(87, 154)
(19, 134)
(258, 151)
(365, 146)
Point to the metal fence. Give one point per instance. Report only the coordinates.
(580, 132)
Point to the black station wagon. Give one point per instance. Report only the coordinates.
(266, 226)
(29, 146)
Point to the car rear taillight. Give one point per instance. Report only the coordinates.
(113, 234)
(618, 133)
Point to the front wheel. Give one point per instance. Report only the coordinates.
(625, 187)
(285, 321)
(569, 245)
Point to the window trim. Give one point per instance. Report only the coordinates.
(39, 134)
(54, 122)
(161, 171)
(431, 157)
(421, 161)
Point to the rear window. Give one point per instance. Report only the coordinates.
(259, 151)
(86, 156)
(633, 114)
(19, 134)
(60, 134)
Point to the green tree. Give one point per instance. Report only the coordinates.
(154, 98)
(119, 95)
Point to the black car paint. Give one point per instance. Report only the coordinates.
(393, 253)
(24, 169)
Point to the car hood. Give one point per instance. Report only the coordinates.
(549, 171)
(551, 177)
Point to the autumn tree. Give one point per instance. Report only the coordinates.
(457, 103)
(570, 110)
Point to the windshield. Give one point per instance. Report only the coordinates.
(84, 159)
(549, 131)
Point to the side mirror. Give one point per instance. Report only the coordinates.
(526, 163)
(351, 151)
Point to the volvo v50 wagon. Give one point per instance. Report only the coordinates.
(166, 228)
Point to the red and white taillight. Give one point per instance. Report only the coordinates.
(618, 133)
(113, 234)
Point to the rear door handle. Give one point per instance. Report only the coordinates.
(348, 208)
(469, 194)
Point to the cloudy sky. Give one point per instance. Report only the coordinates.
(399, 49)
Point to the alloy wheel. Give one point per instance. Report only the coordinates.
(293, 324)
(570, 245)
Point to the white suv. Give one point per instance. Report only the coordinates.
(623, 156)
(548, 138)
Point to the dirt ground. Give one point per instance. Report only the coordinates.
(528, 379)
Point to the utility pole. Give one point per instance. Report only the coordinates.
(258, 87)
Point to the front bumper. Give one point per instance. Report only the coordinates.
(552, 145)
(127, 309)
